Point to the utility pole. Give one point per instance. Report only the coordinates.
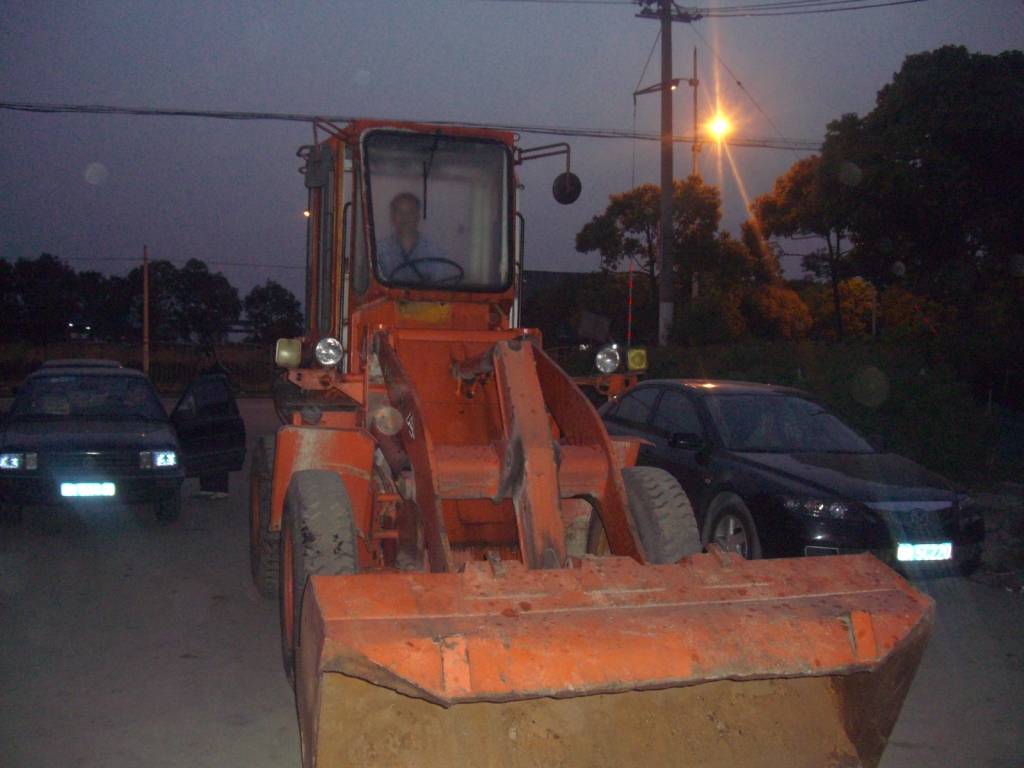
(145, 311)
(694, 82)
(666, 13)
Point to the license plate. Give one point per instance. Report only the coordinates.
(79, 490)
(915, 553)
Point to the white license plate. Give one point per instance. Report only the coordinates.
(915, 553)
(79, 490)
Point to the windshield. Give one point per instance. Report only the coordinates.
(88, 397)
(439, 210)
(774, 423)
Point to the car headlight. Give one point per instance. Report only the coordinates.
(835, 510)
(328, 351)
(608, 359)
(12, 460)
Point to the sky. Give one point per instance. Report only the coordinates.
(94, 189)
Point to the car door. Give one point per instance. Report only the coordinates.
(210, 429)
(679, 443)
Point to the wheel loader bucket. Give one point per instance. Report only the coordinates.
(713, 661)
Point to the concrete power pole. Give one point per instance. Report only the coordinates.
(666, 301)
(666, 13)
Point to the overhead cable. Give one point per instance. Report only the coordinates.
(599, 133)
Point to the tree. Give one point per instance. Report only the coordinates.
(274, 312)
(629, 229)
(941, 158)
(807, 202)
(9, 310)
(103, 304)
(163, 292)
(46, 295)
(206, 304)
(775, 312)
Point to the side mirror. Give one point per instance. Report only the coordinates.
(318, 166)
(567, 188)
(688, 441)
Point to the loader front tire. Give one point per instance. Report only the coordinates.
(663, 515)
(318, 538)
(264, 544)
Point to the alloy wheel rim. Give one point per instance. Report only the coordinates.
(731, 535)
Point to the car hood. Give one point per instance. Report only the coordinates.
(864, 477)
(91, 435)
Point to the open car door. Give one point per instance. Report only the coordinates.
(211, 432)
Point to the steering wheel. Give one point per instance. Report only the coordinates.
(411, 265)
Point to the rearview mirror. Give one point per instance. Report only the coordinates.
(567, 188)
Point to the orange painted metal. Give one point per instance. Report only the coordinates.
(497, 452)
(610, 625)
(610, 385)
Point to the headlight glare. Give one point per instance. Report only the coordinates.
(12, 460)
(328, 351)
(608, 359)
(165, 459)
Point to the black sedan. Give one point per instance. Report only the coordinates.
(83, 433)
(772, 473)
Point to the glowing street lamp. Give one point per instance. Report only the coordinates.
(719, 127)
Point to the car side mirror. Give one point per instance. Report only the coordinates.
(688, 441)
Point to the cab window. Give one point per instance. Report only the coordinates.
(439, 210)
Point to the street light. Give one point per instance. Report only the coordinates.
(719, 127)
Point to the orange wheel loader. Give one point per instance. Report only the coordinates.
(470, 571)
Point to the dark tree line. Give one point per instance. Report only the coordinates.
(44, 300)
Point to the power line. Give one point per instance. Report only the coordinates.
(600, 133)
(181, 261)
(793, 8)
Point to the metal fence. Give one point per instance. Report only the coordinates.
(171, 366)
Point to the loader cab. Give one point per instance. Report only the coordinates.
(439, 212)
(408, 226)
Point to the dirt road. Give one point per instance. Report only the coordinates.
(124, 644)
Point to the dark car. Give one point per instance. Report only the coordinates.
(85, 433)
(771, 473)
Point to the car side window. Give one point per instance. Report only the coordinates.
(635, 407)
(212, 397)
(676, 413)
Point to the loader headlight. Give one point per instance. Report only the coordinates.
(608, 359)
(328, 351)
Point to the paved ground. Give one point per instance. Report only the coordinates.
(127, 644)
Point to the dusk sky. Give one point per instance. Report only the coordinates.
(92, 189)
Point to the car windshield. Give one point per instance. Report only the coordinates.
(439, 210)
(84, 396)
(779, 423)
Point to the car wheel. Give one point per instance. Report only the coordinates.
(730, 525)
(168, 510)
(318, 539)
(662, 513)
(264, 544)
